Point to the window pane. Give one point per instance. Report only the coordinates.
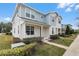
(18, 29)
(32, 16)
(27, 28)
(32, 28)
(59, 21)
(28, 32)
(32, 32)
(27, 15)
(52, 31)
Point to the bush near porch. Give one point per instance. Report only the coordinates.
(32, 39)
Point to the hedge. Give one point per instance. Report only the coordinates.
(8, 33)
(54, 37)
(30, 40)
(20, 51)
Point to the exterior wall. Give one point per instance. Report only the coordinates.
(55, 25)
(23, 10)
(20, 25)
(17, 27)
(15, 24)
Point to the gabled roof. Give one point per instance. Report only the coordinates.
(20, 4)
(16, 10)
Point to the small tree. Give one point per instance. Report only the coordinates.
(68, 30)
(77, 22)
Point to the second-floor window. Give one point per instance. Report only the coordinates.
(27, 15)
(32, 16)
(42, 16)
(59, 22)
(53, 20)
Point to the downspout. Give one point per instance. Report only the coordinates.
(40, 33)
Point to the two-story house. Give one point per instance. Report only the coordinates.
(28, 22)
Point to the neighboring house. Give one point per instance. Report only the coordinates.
(28, 22)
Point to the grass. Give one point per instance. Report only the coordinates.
(40, 50)
(65, 40)
(5, 41)
(48, 50)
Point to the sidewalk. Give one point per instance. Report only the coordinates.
(73, 50)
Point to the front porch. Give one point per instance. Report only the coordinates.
(35, 29)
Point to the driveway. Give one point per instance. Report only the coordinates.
(73, 50)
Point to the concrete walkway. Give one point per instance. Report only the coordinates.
(55, 44)
(73, 50)
(17, 44)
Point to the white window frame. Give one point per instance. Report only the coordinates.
(30, 30)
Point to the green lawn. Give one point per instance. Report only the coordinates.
(5, 41)
(48, 50)
(65, 40)
(40, 50)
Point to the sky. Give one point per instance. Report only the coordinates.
(68, 11)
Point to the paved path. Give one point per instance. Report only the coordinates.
(17, 44)
(55, 44)
(73, 50)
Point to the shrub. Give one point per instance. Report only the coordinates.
(8, 33)
(33, 39)
(20, 51)
(72, 31)
(54, 37)
(68, 30)
(63, 35)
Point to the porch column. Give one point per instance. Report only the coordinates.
(41, 31)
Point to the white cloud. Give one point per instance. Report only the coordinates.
(68, 7)
(77, 7)
(72, 5)
(68, 10)
(63, 5)
(7, 18)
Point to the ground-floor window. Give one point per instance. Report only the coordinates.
(52, 30)
(18, 29)
(14, 30)
(29, 30)
(59, 30)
